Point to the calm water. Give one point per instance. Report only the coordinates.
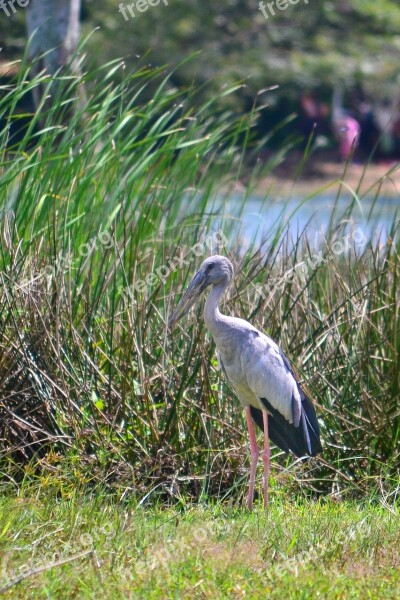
(257, 219)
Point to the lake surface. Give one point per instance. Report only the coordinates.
(256, 219)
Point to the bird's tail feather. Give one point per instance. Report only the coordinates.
(311, 422)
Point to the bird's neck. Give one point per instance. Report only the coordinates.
(212, 315)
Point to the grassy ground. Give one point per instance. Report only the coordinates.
(90, 547)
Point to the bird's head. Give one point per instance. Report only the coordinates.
(213, 271)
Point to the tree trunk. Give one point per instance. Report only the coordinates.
(57, 22)
(57, 35)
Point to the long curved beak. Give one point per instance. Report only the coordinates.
(196, 287)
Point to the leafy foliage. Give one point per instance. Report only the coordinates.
(305, 47)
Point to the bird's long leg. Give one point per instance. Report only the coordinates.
(254, 457)
(266, 454)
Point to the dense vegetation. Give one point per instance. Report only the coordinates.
(106, 212)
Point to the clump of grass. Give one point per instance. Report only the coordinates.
(101, 215)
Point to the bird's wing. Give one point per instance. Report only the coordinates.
(292, 420)
(270, 376)
(308, 417)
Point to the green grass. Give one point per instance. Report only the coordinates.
(300, 549)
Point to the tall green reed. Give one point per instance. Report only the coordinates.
(105, 208)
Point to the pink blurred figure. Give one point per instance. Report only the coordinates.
(347, 131)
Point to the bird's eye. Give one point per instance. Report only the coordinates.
(210, 266)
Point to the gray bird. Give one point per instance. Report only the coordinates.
(258, 371)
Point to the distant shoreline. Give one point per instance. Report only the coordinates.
(374, 178)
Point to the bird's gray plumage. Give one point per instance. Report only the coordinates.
(254, 365)
(261, 376)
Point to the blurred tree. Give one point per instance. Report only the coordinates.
(304, 47)
(53, 26)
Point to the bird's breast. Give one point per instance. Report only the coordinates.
(232, 367)
(254, 367)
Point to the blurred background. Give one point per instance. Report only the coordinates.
(334, 64)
